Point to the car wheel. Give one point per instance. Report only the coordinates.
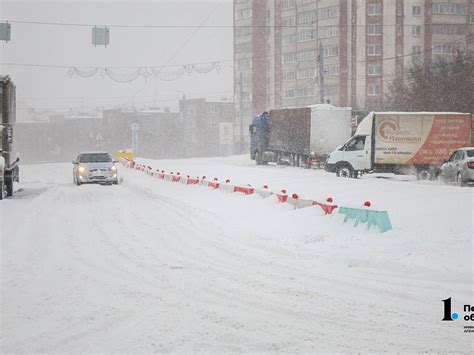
(459, 180)
(345, 171)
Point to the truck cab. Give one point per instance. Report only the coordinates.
(8, 164)
(259, 138)
(351, 158)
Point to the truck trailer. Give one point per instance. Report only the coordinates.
(299, 136)
(402, 143)
(9, 171)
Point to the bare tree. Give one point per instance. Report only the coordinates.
(441, 86)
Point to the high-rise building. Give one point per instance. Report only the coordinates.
(364, 45)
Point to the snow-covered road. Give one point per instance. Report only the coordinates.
(152, 266)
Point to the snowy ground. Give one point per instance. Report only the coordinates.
(152, 266)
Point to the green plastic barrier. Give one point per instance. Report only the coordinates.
(372, 218)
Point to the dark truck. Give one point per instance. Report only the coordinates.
(9, 170)
(299, 136)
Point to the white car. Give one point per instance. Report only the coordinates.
(459, 167)
(95, 167)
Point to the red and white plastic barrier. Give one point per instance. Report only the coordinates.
(282, 196)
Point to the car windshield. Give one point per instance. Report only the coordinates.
(470, 153)
(95, 158)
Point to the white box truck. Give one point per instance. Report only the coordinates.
(401, 143)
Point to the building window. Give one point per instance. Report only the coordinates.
(289, 58)
(446, 48)
(245, 63)
(374, 90)
(287, 4)
(448, 29)
(327, 12)
(374, 30)
(331, 51)
(289, 21)
(471, 18)
(305, 92)
(399, 9)
(243, 31)
(289, 94)
(246, 96)
(416, 10)
(302, 2)
(449, 9)
(307, 17)
(243, 14)
(306, 73)
(326, 32)
(399, 29)
(306, 35)
(306, 55)
(289, 76)
(374, 49)
(416, 30)
(374, 69)
(247, 79)
(374, 9)
(331, 70)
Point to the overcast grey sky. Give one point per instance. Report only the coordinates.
(71, 46)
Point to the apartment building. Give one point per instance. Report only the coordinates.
(364, 45)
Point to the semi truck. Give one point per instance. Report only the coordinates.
(401, 143)
(301, 136)
(9, 170)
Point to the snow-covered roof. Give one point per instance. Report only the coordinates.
(94, 152)
(328, 107)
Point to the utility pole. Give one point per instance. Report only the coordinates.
(321, 73)
(241, 110)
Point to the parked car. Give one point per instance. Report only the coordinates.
(95, 167)
(459, 167)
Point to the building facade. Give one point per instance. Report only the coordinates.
(364, 45)
(207, 127)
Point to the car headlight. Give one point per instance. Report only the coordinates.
(82, 169)
(113, 168)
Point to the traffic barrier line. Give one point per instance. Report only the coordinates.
(244, 190)
(372, 218)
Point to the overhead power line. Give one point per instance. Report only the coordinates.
(374, 59)
(304, 25)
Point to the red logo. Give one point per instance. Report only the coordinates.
(387, 128)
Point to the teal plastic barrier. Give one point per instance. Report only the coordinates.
(372, 218)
